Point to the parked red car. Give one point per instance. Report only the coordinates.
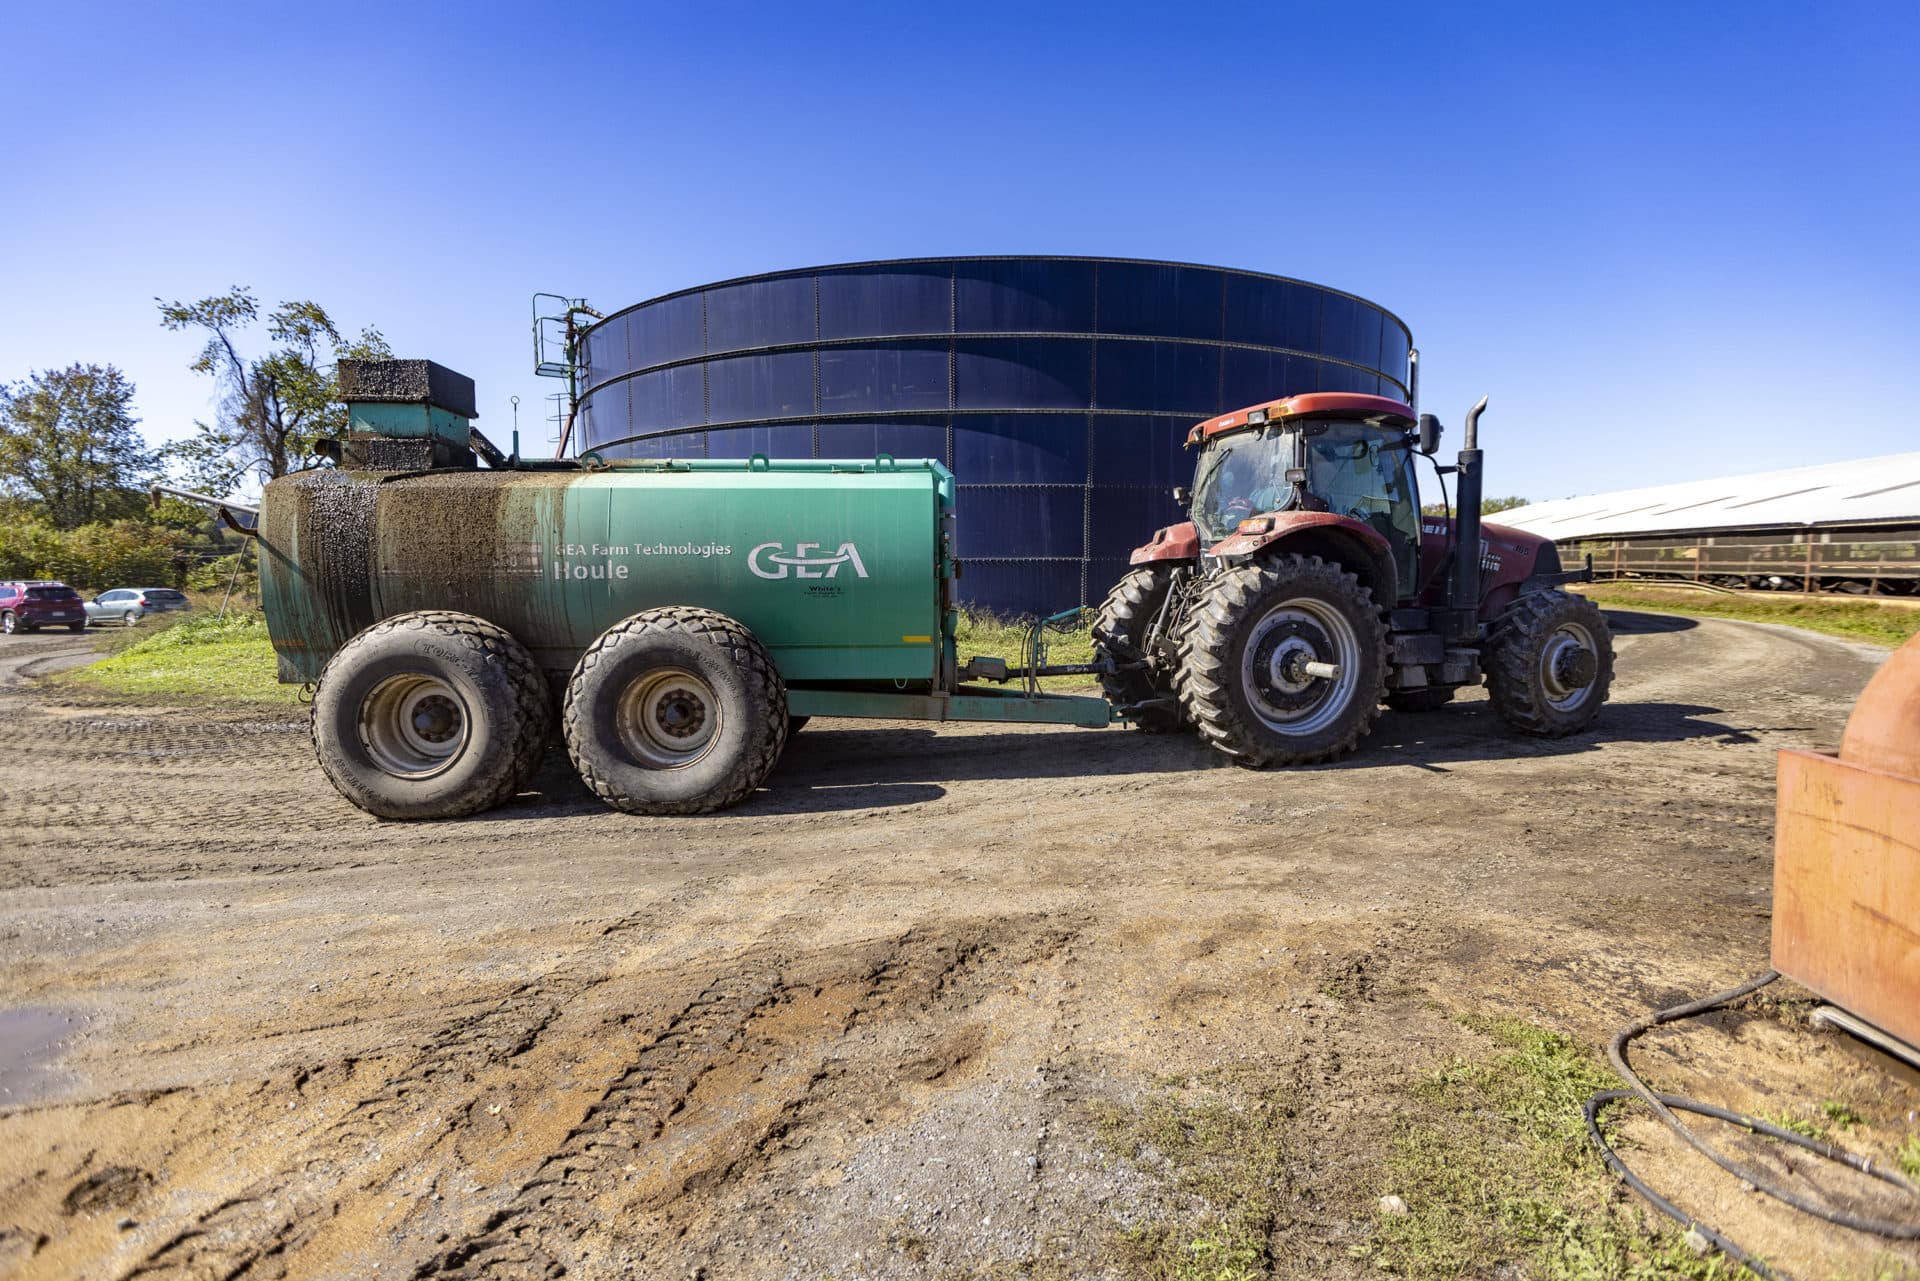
(29, 606)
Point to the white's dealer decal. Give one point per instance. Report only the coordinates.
(768, 561)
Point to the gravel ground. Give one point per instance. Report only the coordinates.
(864, 1025)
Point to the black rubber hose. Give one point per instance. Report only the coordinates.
(1665, 1105)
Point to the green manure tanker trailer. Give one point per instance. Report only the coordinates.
(681, 618)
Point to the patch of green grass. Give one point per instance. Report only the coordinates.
(1908, 1155)
(1221, 1141)
(203, 658)
(1841, 1115)
(1799, 1125)
(1850, 619)
(1495, 1166)
(989, 636)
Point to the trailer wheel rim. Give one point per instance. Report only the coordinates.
(668, 718)
(1568, 666)
(1285, 700)
(413, 725)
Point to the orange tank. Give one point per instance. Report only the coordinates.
(1884, 731)
(1846, 859)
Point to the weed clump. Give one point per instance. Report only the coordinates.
(1221, 1143)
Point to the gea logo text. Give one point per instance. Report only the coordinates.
(769, 560)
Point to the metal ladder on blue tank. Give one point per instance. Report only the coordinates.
(556, 336)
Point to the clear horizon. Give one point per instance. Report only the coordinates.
(1667, 244)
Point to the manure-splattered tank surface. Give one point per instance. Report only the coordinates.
(837, 567)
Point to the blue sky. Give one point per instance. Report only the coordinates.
(1670, 241)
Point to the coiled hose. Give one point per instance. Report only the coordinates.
(1666, 1105)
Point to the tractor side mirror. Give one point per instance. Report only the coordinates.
(1181, 496)
(1430, 430)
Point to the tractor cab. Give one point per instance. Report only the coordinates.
(1349, 456)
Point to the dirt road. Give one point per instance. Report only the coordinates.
(867, 1025)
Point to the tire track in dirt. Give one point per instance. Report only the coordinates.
(276, 1215)
(784, 1025)
(555, 1204)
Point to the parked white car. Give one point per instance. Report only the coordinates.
(128, 605)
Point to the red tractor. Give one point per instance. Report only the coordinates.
(1307, 590)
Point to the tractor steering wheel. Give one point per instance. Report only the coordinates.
(1238, 507)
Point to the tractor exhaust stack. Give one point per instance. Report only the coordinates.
(1466, 546)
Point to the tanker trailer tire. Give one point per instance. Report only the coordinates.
(1242, 679)
(429, 715)
(676, 710)
(1550, 664)
(1120, 632)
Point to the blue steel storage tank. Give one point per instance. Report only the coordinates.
(1058, 390)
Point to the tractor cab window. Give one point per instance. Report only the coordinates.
(1240, 476)
(1365, 473)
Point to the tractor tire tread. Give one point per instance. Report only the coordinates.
(1513, 653)
(1128, 608)
(1202, 676)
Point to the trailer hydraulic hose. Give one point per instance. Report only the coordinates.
(1666, 1105)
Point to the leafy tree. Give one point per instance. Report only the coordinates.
(69, 448)
(94, 556)
(272, 408)
(123, 553)
(1488, 506)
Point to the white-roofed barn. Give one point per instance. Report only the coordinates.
(1847, 527)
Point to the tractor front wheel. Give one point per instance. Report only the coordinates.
(1550, 664)
(1284, 662)
(1144, 694)
(676, 710)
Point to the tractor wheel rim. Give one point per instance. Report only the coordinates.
(1559, 661)
(414, 725)
(668, 718)
(1285, 700)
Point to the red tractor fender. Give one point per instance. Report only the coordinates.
(1357, 546)
(1175, 542)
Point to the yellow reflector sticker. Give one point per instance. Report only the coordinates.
(916, 640)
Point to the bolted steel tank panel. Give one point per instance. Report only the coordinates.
(1058, 390)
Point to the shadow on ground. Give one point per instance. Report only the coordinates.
(1631, 622)
(836, 766)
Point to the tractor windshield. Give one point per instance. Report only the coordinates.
(1354, 469)
(1240, 476)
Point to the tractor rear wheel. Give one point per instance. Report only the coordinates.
(1253, 633)
(428, 715)
(676, 710)
(1550, 664)
(1119, 632)
(1430, 699)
